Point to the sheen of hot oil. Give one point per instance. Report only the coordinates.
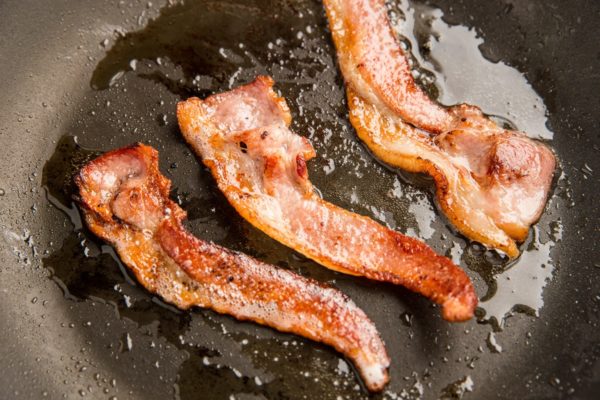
(199, 48)
(503, 93)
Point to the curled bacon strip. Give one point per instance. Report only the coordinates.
(492, 183)
(260, 166)
(125, 201)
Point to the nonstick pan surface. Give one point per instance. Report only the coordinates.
(80, 77)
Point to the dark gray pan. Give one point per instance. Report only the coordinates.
(73, 324)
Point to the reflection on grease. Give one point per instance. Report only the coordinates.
(197, 48)
(87, 269)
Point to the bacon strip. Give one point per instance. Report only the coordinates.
(492, 183)
(260, 166)
(125, 201)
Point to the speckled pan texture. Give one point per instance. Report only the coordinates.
(83, 77)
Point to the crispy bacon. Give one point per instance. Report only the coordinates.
(492, 183)
(260, 166)
(125, 201)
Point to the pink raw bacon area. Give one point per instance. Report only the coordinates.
(124, 199)
(492, 183)
(260, 166)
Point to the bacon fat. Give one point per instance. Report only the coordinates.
(243, 136)
(125, 201)
(492, 183)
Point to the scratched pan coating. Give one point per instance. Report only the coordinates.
(86, 76)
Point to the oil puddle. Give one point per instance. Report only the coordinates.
(195, 48)
(504, 93)
(449, 58)
(528, 275)
(181, 51)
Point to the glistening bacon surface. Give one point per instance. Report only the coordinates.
(260, 165)
(492, 183)
(125, 201)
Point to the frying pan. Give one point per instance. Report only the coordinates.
(80, 77)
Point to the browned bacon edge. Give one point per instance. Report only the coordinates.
(267, 177)
(124, 199)
(504, 185)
